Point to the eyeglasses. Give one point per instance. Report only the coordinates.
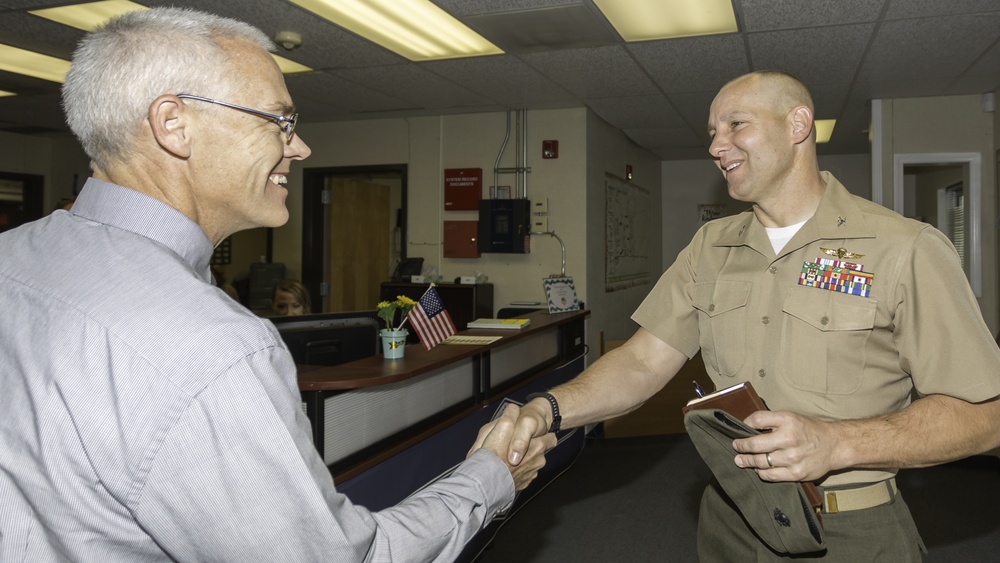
(287, 124)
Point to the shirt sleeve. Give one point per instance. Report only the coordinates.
(666, 312)
(943, 342)
(237, 478)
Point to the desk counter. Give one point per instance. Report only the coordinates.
(365, 411)
(374, 371)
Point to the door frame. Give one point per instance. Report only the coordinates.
(973, 217)
(314, 226)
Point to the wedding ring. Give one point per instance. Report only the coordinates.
(768, 457)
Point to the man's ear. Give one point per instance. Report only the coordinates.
(170, 123)
(801, 120)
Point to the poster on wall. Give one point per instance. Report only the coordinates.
(627, 234)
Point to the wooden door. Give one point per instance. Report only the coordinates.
(358, 243)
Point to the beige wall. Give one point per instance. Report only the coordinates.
(608, 151)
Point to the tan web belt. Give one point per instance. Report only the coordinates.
(859, 498)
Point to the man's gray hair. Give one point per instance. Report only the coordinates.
(120, 68)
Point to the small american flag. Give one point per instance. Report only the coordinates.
(430, 319)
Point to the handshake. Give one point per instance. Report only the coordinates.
(519, 437)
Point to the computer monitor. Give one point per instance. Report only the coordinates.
(329, 339)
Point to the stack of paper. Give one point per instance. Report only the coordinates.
(515, 324)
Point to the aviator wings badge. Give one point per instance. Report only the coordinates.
(841, 253)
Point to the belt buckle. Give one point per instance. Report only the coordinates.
(830, 502)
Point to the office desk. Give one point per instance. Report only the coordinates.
(386, 428)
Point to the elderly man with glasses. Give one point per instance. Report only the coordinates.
(147, 416)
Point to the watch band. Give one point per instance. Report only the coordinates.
(556, 418)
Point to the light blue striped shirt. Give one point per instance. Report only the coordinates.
(145, 416)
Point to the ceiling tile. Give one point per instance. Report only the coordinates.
(906, 9)
(651, 89)
(597, 72)
(636, 111)
(823, 54)
(415, 85)
(38, 111)
(571, 26)
(944, 46)
(916, 88)
(341, 93)
(763, 15)
(692, 64)
(468, 7)
(983, 76)
(502, 78)
(39, 34)
(693, 108)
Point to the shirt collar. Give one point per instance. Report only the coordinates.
(129, 210)
(837, 217)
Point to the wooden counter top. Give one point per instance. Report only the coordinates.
(375, 370)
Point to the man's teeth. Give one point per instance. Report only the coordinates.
(732, 166)
(279, 179)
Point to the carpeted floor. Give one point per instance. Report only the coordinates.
(636, 500)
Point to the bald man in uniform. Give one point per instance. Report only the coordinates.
(835, 309)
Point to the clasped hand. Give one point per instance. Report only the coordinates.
(496, 437)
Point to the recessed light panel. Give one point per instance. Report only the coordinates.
(824, 129)
(645, 20)
(415, 29)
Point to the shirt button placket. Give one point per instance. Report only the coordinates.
(766, 319)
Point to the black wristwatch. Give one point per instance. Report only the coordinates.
(556, 418)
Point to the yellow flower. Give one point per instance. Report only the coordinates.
(387, 310)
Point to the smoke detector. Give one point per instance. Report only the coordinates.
(288, 39)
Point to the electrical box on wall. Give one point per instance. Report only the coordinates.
(460, 239)
(504, 225)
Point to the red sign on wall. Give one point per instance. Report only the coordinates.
(463, 188)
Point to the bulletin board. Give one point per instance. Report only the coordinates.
(627, 232)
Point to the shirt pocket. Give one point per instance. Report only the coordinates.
(722, 317)
(824, 340)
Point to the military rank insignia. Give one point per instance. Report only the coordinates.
(836, 275)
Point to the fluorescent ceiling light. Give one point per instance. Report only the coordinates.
(824, 129)
(644, 20)
(5, 93)
(415, 29)
(90, 15)
(288, 66)
(33, 64)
